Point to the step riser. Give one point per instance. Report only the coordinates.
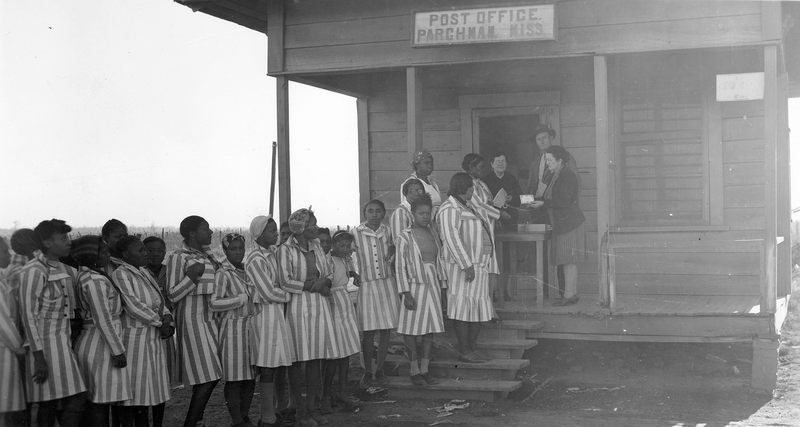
(472, 374)
(427, 394)
(514, 334)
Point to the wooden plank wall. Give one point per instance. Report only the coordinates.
(332, 35)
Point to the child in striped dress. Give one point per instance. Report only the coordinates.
(146, 327)
(48, 303)
(190, 279)
(99, 348)
(378, 302)
(231, 300)
(401, 217)
(344, 321)
(420, 280)
(271, 343)
(12, 402)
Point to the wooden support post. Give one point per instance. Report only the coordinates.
(603, 164)
(784, 190)
(765, 363)
(769, 287)
(414, 110)
(284, 181)
(362, 111)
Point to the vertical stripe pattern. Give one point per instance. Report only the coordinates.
(173, 367)
(481, 201)
(101, 338)
(462, 241)
(400, 220)
(196, 328)
(47, 303)
(432, 189)
(271, 340)
(308, 314)
(423, 281)
(141, 322)
(342, 311)
(232, 303)
(378, 303)
(12, 394)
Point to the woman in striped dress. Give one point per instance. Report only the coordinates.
(48, 303)
(422, 163)
(468, 248)
(100, 350)
(231, 301)
(271, 343)
(344, 322)
(306, 273)
(190, 280)
(112, 231)
(401, 217)
(146, 324)
(378, 303)
(420, 280)
(156, 251)
(12, 402)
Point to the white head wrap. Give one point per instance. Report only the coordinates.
(258, 224)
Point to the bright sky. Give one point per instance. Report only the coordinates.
(147, 112)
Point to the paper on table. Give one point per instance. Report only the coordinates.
(500, 198)
(526, 199)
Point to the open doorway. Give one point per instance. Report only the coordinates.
(510, 134)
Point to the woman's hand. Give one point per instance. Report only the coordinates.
(195, 271)
(470, 272)
(40, 372)
(389, 258)
(119, 361)
(505, 215)
(408, 301)
(537, 204)
(166, 330)
(356, 278)
(322, 287)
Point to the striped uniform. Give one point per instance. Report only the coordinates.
(424, 281)
(173, 367)
(231, 301)
(196, 328)
(141, 322)
(47, 303)
(462, 235)
(432, 189)
(12, 394)
(344, 315)
(378, 303)
(101, 338)
(400, 220)
(271, 339)
(12, 275)
(308, 314)
(481, 202)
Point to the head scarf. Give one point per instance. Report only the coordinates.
(258, 225)
(298, 220)
(419, 155)
(230, 238)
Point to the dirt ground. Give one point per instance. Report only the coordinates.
(598, 384)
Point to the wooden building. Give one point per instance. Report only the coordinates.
(675, 111)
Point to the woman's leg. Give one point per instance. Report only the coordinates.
(329, 371)
(246, 398)
(46, 414)
(425, 360)
(200, 395)
(412, 353)
(158, 414)
(474, 330)
(283, 395)
(313, 379)
(462, 334)
(266, 395)
(383, 349)
(570, 280)
(295, 388)
(341, 395)
(140, 416)
(232, 392)
(72, 410)
(96, 414)
(368, 349)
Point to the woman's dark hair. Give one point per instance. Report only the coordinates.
(124, 243)
(470, 160)
(495, 155)
(342, 235)
(189, 224)
(374, 202)
(423, 200)
(285, 224)
(86, 250)
(559, 153)
(110, 226)
(47, 228)
(23, 242)
(460, 182)
(409, 183)
(150, 239)
(325, 230)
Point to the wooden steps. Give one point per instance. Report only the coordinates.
(510, 329)
(489, 391)
(505, 348)
(496, 369)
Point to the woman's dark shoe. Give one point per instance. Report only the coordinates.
(321, 420)
(429, 379)
(305, 420)
(381, 379)
(470, 357)
(418, 381)
(325, 405)
(566, 301)
(342, 400)
(286, 417)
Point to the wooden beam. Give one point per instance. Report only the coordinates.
(284, 169)
(602, 162)
(784, 277)
(769, 287)
(414, 110)
(275, 37)
(362, 112)
(771, 25)
(326, 84)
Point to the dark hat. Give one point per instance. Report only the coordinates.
(543, 128)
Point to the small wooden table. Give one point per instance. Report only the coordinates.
(504, 238)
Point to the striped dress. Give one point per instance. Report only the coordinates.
(271, 339)
(308, 314)
(462, 236)
(232, 303)
(400, 220)
(47, 303)
(13, 280)
(141, 322)
(424, 280)
(195, 324)
(344, 315)
(12, 393)
(432, 189)
(101, 338)
(173, 367)
(378, 303)
(481, 202)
